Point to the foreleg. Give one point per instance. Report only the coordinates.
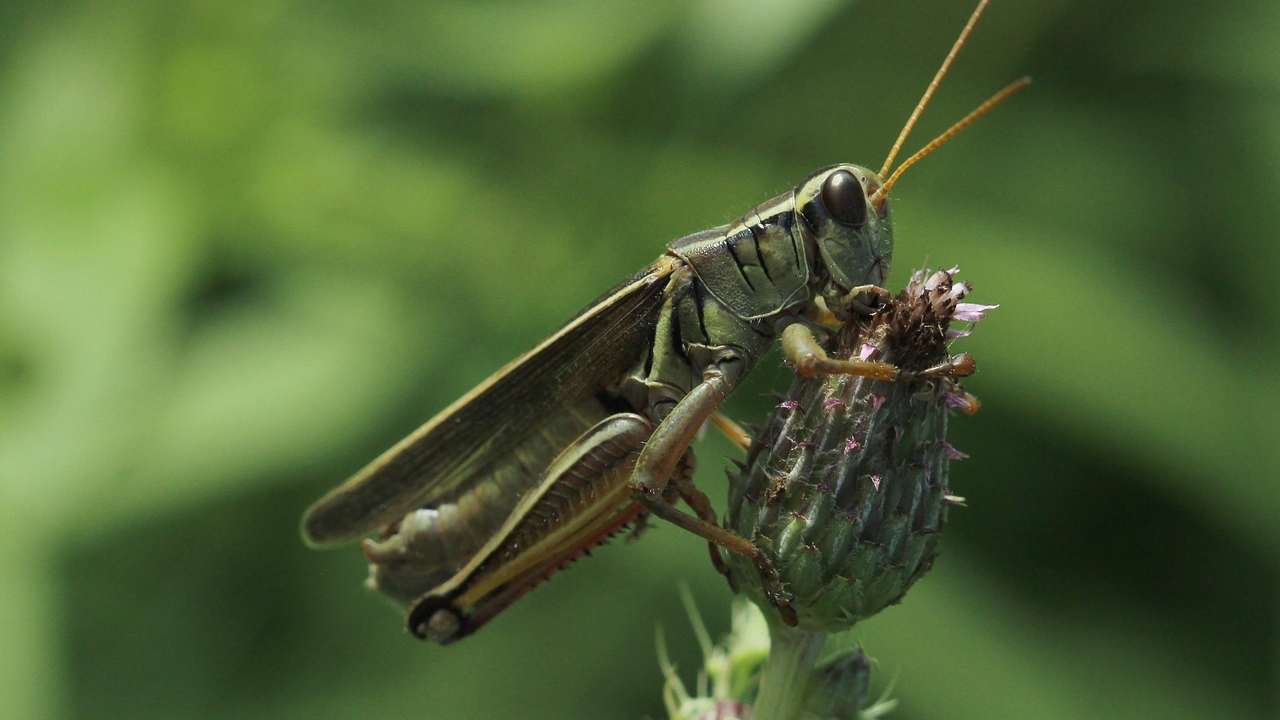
(808, 358)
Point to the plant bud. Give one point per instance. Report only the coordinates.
(847, 488)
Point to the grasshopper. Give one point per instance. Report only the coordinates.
(591, 429)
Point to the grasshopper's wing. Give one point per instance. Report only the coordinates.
(508, 428)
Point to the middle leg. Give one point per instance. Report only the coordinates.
(655, 469)
(700, 350)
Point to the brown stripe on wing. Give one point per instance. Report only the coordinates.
(502, 425)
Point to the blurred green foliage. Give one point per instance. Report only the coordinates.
(246, 246)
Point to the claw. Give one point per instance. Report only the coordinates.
(956, 366)
(772, 584)
(851, 300)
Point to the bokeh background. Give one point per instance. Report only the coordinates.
(246, 246)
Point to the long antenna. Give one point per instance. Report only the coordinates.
(933, 86)
(987, 106)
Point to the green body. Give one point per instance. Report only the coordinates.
(697, 319)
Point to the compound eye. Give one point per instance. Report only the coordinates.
(843, 197)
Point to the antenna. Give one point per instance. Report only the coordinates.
(987, 106)
(933, 86)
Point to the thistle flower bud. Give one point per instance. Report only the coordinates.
(847, 488)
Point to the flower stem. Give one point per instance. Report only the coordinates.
(788, 673)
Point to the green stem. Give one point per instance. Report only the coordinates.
(787, 674)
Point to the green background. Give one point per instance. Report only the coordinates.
(246, 246)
